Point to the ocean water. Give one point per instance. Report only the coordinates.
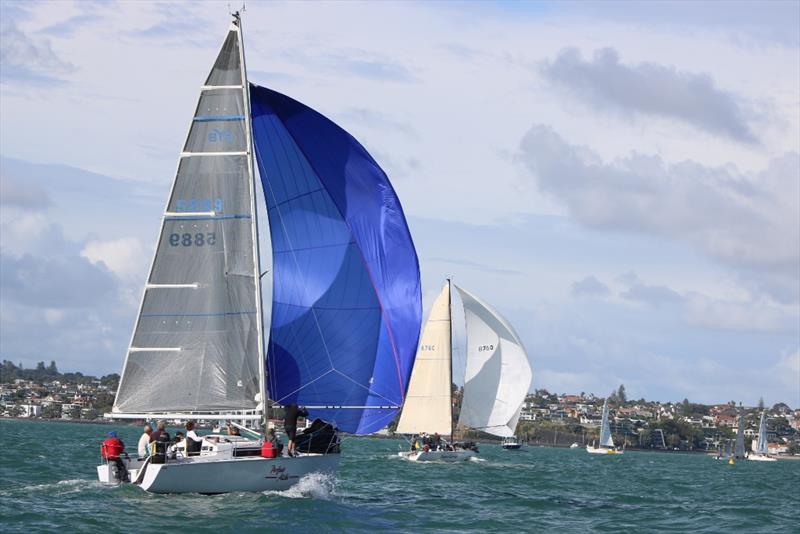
(48, 484)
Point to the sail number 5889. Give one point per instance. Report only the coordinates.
(188, 240)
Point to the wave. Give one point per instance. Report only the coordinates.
(61, 486)
(310, 486)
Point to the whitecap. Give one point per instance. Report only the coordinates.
(310, 486)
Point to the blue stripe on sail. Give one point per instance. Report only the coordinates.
(220, 314)
(346, 311)
(206, 217)
(214, 118)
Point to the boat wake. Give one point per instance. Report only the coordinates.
(476, 459)
(62, 486)
(310, 486)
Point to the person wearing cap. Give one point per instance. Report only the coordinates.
(111, 450)
(144, 442)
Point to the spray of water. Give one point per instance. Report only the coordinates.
(310, 486)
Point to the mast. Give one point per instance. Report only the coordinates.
(262, 375)
(450, 384)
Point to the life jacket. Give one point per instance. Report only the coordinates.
(268, 450)
(112, 448)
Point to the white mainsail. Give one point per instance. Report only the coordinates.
(605, 428)
(498, 374)
(761, 445)
(197, 344)
(428, 403)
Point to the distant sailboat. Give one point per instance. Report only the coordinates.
(498, 376)
(606, 445)
(761, 449)
(344, 306)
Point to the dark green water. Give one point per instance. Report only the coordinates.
(48, 484)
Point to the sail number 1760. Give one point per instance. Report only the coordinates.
(188, 240)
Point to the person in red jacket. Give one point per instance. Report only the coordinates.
(111, 450)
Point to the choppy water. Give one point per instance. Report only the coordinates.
(48, 483)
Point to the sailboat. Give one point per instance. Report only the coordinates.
(606, 445)
(342, 289)
(497, 378)
(761, 450)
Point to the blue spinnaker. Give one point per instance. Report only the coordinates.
(347, 304)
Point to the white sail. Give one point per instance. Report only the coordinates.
(605, 428)
(761, 446)
(196, 345)
(428, 403)
(498, 374)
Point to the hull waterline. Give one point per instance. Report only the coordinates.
(256, 474)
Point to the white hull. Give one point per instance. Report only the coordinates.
(601, 450)
(206, 474)
(438, 456)
(107, 473)
(761, 458)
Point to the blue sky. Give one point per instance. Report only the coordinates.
(622, 180)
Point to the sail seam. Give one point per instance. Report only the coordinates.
(314, 248)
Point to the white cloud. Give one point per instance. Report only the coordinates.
(650, 89)
(750, 222)
(126, 257)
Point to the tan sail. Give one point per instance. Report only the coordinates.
(428, 404)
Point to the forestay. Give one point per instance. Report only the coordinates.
(346, 308)
(498, 374)
(195, 346)
(428, 406)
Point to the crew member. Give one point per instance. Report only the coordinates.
(292, 413)
(144, 442)
(111, 450)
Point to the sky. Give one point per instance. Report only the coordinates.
(621, 180)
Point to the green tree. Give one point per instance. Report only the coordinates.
(622, 397)
(761, 403)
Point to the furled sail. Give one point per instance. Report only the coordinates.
(498, 374)
(195, 346)
(762, 447)
(605, 428)
(346, 308)
(428, 406)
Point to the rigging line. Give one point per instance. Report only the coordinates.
(365, 387)
(288, 239)
(329, 371)
(361, 254)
